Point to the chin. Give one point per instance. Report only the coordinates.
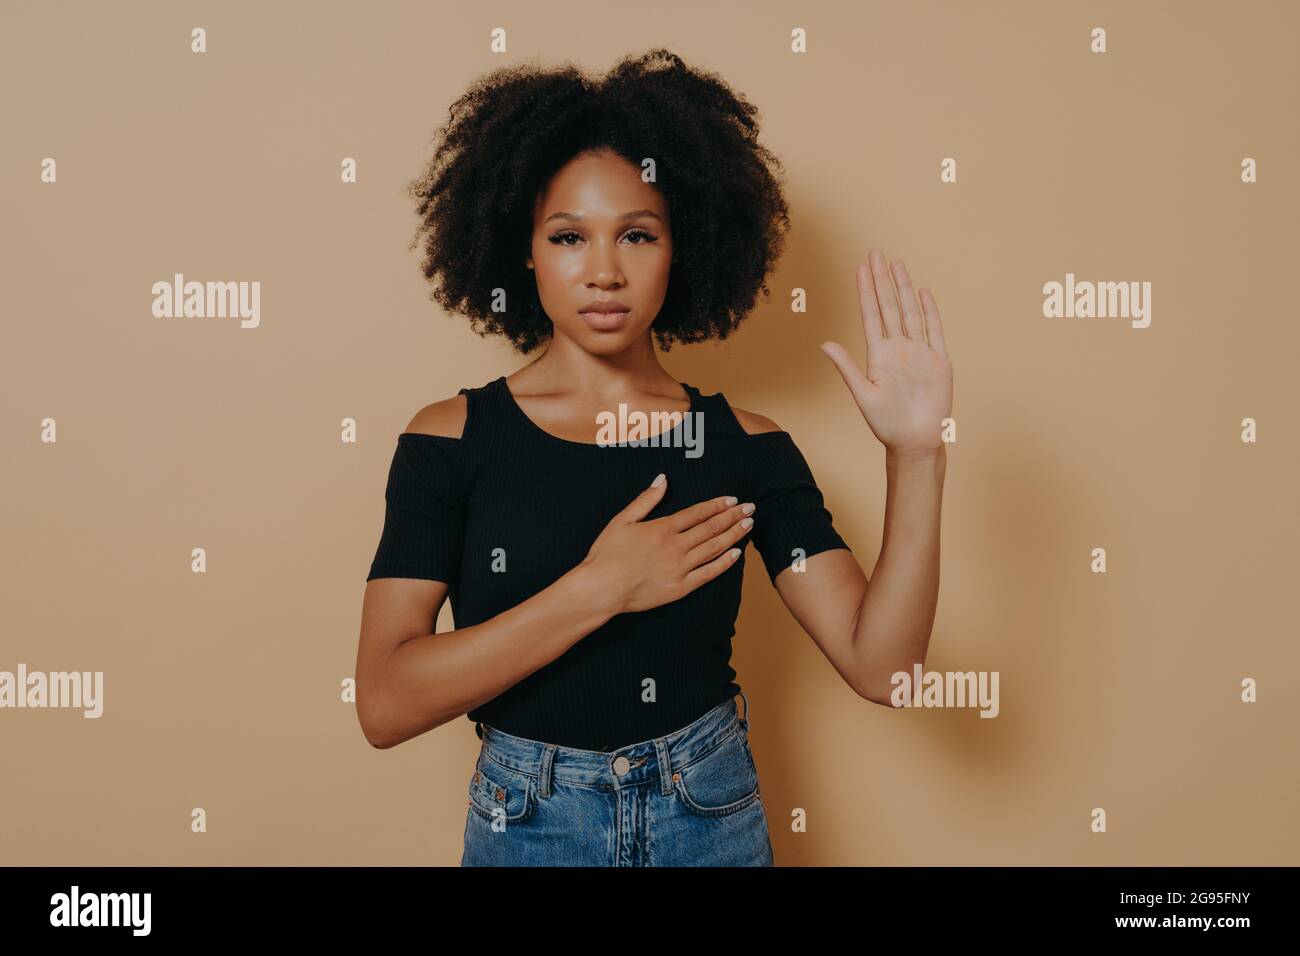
(606, 343)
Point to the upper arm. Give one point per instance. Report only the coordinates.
(826, 595)
(825, 598)
(393, 611)
(396, 609)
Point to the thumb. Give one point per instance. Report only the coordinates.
(645, 502)
(862, 388)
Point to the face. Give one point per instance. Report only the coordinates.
(601, 235)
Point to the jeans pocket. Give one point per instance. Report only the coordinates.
(721, 782)
(498, 792)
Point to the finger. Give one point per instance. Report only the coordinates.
(707, 572)
(692, 515)
(868, 306)
(913, 321)
(716, 527)
(853, 377)
(885, 293)
(933, 325)
(643, 503)
(718, 544)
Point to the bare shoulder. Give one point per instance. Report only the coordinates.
(754, 423)
(446, 418)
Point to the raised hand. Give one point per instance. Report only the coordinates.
(907, 389)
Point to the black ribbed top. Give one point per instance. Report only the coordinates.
(507, 508)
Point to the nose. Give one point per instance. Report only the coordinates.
(604, 266)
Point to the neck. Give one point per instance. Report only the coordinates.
(565, 367)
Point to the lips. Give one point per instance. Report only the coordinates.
(605, 314)
(604, 321)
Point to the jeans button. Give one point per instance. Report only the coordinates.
(621, 765)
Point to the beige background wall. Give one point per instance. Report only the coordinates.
(223, 689)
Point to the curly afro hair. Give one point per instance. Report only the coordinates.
(517, 126)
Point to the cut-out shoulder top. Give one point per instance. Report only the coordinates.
(506, 509)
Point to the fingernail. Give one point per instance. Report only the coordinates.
(659, 480)
(732, 499)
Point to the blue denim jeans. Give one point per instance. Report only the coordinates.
(690, 798)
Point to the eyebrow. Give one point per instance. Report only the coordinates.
(573, 217)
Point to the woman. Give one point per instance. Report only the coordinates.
(594, 570)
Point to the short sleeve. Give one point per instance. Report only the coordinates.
(790, 518)
(424, 514)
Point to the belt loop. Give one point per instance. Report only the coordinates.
(665, 766)
(544, 771)
(744, 721)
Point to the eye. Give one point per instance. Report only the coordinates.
(561, 238)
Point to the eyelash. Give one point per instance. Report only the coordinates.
(559, 236)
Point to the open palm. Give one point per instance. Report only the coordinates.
(906, 392)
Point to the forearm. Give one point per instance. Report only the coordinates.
(429, 680)
(894, 621)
